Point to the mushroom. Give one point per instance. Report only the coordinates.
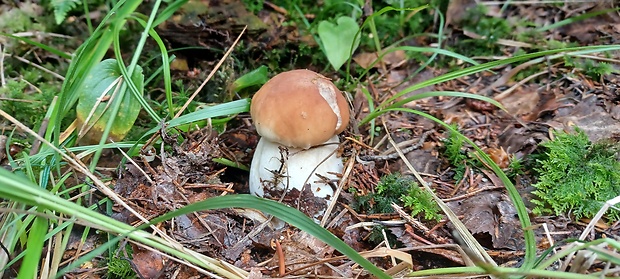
(299, 115)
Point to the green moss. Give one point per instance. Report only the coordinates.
(404, 192)
(454, 149)
(595, 70)
(419, 201)
(25, 104)
(491, 28)
(376, 236)
(254, 6)
(13, 20)
(577, 177)
(389, 190)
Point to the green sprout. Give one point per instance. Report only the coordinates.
(119, 268)
(455, 154)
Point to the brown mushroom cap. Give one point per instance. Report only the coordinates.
(300, 109)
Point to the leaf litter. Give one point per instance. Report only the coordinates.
(478, 197)
(184, 173)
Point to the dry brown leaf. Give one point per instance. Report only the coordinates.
(149, 264)
(499, 156)
(365, 59)
(522, 101)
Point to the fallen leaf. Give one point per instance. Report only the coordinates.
(591, 117)
(149, 264)
(522, 100)
(499, 156)
(179, 64)
(366, 59)
(492, 220)
(521, 141)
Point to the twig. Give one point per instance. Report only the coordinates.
(458, 186)
(418, 225)
(409, 230)
(136, 165)
(472, 193)
(2, 80)
(276, 8)
(38, 34)
(507, 92)
(360, 143)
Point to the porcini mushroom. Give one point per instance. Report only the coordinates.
(298, 114)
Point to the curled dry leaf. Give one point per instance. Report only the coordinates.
(499, 156)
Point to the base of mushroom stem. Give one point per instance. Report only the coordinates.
(277, 168)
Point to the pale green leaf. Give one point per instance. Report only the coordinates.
(338, 38)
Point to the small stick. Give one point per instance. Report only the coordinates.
(472, 193)
(2, 79)
(276, 8)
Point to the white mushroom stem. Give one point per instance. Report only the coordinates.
(273, 169)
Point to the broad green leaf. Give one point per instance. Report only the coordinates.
(98, 93)
(338, 39)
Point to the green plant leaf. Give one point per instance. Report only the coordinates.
(98, 92)
(234, 107)
(36, 238)
(255, 77)
(230, 163)
(338, 38)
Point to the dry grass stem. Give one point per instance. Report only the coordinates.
(470, 242)
(217, 66)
